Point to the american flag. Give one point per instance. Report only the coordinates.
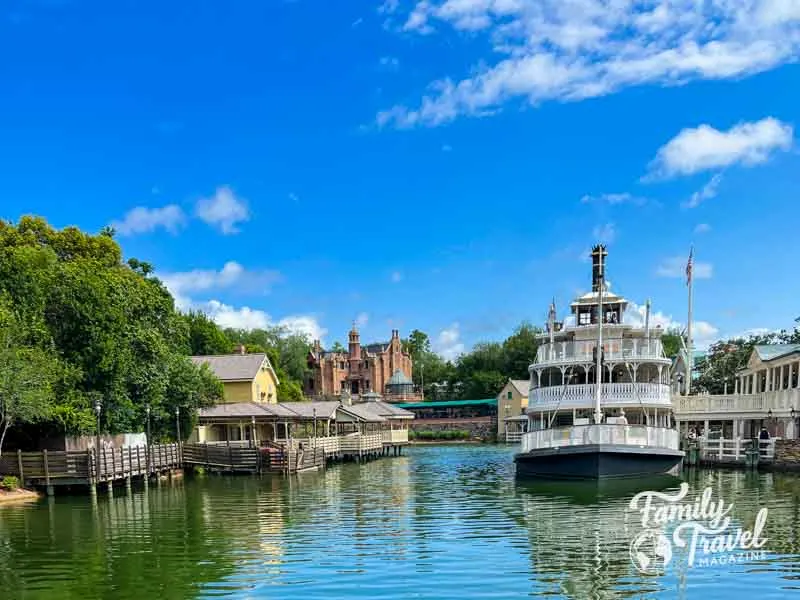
(689, 265)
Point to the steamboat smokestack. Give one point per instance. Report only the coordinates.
(598, 266)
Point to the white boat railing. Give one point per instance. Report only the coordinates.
(582, 435)
(611, 394)
(614, 349)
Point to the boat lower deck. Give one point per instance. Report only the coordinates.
(597, 461)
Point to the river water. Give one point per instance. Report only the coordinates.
(439, 522)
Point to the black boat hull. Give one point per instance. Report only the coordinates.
(597, 461)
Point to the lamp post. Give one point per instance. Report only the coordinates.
(149, 441)
(98, 407)
(314, 412)
(252, 431)
(178, 429)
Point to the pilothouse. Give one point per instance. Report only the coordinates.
(599, 403)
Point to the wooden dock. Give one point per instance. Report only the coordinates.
(48, 469)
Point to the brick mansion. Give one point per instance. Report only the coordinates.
(383, 369)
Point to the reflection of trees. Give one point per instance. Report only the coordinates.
(145, 545)
(580, 535)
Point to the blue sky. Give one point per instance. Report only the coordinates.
(441, 165)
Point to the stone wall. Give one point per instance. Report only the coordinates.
(787, 454)
(484, 429)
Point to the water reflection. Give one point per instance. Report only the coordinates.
(443, 522)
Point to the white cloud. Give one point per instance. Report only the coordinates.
(707, 192)
(624, 198)
(702, 148)
(181, 284)
(703, 333)
(396, 277)
(304, 325)
(144, 220)
(605, 234)
(389, 62)
(448, 343)
(702, 228)
(223, 210)
(362, 319)
(675, 266)
(248, 318)
(569, 50)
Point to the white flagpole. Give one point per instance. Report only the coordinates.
(599, 368)
(690, 349)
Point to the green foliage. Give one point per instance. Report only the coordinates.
(726, 357)
(205, 337)
(337, 347)
(671, 340)
(449, 434)
(91, 327)
(10, 483)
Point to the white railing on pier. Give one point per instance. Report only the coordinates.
(611, 394)
(582, 435)
(361, 442)
(514, 436)
(330, 445)
(779, 402)
(723, 450)
(395, 436)
(615, 349)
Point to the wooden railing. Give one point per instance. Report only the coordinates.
(361, 442)
(231, 457)
(395, 436)
(84, 467)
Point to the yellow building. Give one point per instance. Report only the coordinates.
(245, 377)
(511, 404)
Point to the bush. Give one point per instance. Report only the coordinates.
(10, 483)
(450, 434)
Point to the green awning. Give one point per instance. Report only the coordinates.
(449, 403)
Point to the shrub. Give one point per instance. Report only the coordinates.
(450, 434)
(9, 482)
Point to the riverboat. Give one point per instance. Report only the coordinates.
(597, 415)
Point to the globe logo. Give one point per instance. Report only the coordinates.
(651, 552)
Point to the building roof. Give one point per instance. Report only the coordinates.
(772, 351)
(245, 410)
(359, 411)
(384, 409)
(235, 367)
(522, 385)
(325, 410)
(448, 403)
(399, 378)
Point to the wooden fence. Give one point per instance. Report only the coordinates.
(248, 459)
(85, 467)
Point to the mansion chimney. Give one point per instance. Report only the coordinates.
(355, 344)
(598, 266)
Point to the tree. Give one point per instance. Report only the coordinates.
(107, 329)
(26, 393)
(671, 341)
(725, 358)
(205, 337)
(519, 351)
(337, 347)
